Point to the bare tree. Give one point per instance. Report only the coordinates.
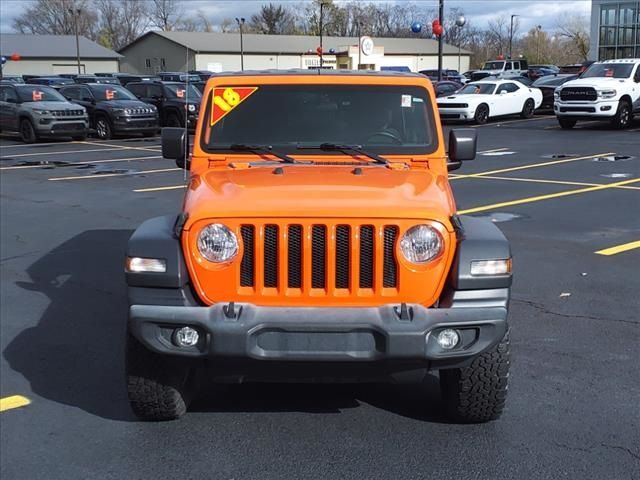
(56, 17)
(121, 21)
(165, 14)
(573, 27)
(273, 20)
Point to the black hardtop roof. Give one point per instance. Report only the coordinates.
(319, 71)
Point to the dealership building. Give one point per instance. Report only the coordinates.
(179, 51)
(615, 29)
(55, 54)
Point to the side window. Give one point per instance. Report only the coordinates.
(516, 65)
(155, 91)
(71, 93)
(511, 87)
(508, 66)
(137, 90)
(85, 94)
(636, 77)
(3, 93)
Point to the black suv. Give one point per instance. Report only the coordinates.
(113, 109)
(178, 103)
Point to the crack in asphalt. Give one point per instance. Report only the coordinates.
(543, 309)
(624, 449)
(589, 449)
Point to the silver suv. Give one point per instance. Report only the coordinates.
(36, 111)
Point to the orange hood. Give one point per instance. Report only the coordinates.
(319, 192)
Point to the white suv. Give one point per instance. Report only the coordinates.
(608, 90)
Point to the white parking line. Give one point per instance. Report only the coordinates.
(65, 152)
(160, 189)
(89, 162)
(107, 175)
(124, 147)
(497, 124)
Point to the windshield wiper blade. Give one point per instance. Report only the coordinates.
(346, 148)
(241, 147)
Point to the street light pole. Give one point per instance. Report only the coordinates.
(538, 29)
(440, 18)
(511, 36)
(75, 14)
(240, 22)
(460, 22)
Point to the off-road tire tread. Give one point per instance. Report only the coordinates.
(567, 123)
(615, 121)
(156, 389)
(477, 393)
(523, 113)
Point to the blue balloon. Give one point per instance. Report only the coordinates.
(332, 50)
(3, 60)
(416, 27)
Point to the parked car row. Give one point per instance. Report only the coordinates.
(74, 108)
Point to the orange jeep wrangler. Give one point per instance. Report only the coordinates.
(318, 241)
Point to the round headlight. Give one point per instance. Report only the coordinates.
(191, 107)
(217, 243)
(421, 244)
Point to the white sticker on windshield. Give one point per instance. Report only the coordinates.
(417, 100)
(406, 101)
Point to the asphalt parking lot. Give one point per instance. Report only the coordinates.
(567, 200)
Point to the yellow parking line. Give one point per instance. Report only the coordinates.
(111, 160)
(494, 150)
(15, 401)
(619, 248)
(160, 189)
(106, 175)
(531, 165)
(549, 196)
(124, 147)
(553, 182)
(510, 121)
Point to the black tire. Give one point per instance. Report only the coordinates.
(567, 123)
(103, 128)
(482, 114)
(28, 133)
(528, 109)
(477, 393)
(159, 386)
(173, 120)
(623, 116)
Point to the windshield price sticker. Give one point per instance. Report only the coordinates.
(110, 94)
(406, 101)
(225, 99)
(36, 95)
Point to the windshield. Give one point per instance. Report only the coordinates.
(612, 70)
(39, 93)
(111, 92)
(381, 119)
(183, 91)
(107, 80)
(478, 89)
(493, 66)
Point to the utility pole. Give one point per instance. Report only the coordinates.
(511, 37)
(75, 14)
(440, 18)
(240, 22)
(322, 5)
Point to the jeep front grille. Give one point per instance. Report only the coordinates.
(304, 258)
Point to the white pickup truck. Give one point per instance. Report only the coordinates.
(608, 90)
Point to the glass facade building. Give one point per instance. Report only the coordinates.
(615, 29)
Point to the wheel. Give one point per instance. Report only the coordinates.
(103, 128)
(158, 386)
(173, 120)
(79, 138)
(567, 123)
(477, 393)
(27, 132)
(528, 108)
(482, 114)
(622, 118)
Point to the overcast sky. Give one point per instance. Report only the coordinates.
(532, 12)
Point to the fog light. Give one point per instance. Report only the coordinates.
(448, 339)
(490, 267)
(146, 265)
(185, 337)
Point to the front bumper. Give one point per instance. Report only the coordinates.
(457, 113)
(319, 334)
(599, 109)
(136, 124)
(68, 127)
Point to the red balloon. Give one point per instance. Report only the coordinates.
(438, 30)
(435, 24)
(15, 57)
(319, 50)
(501, 57)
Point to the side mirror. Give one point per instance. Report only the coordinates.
(463, 144)
(175, 146)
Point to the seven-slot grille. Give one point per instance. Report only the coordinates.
(67, 113)
(342, 257)
(577, 94)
